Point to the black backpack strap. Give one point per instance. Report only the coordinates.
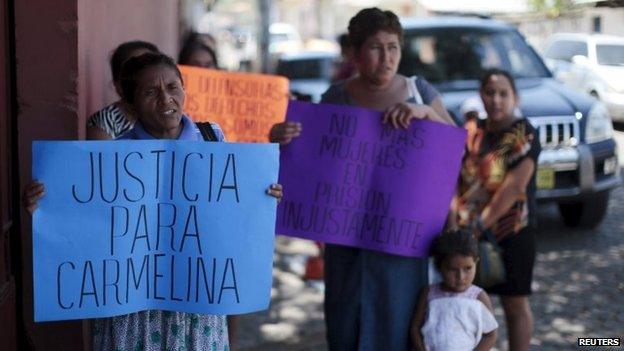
(206, 131)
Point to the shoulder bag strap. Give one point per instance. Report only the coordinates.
(206, 131)
(414, 90)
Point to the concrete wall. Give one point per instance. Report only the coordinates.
(62, 50)
(612, 20)
(327, 19)
(106, 24)
(46, 62)
(537, 28)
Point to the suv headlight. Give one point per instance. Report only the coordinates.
(599, 126)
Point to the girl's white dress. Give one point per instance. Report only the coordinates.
(455, 321)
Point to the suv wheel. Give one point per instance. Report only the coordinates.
(587, 213)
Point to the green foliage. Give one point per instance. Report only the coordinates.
(551, 8)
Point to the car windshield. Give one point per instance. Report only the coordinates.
(313, 68)
(610, 55)
(279, 37)
(448, 54)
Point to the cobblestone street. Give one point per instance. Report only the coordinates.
(579, 279)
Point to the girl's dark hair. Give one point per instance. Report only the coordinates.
(192, 45)
(369, 21)
(123, 52)
(498, 72)
(459, 242)
(343, 40)
(135, 65)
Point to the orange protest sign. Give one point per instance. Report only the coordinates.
(245, 105)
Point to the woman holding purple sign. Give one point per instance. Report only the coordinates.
(370, 296)
(152, 86)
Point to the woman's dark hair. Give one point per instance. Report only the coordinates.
(135, 65)
(451, 243)
(191, 46)
(343, 40)
(369, 21)
(123, 52)
(498, 72)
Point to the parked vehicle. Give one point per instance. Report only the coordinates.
(309, 73)
(284, 37)
(578, 166)
(591, 63)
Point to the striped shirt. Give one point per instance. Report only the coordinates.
(111, 120)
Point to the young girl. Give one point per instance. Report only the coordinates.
(454, 314)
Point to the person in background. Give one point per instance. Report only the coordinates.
(454, 314)
(496, 192)
(370, 296)
(153, 89)
(195, 53)
(346, 68)
(204, 38)
(115, 119)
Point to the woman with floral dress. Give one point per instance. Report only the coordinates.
(497, 192)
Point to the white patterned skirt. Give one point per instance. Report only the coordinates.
(160, 330)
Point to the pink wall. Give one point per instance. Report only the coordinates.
(46, 44)
(62, 50)
(106, 24)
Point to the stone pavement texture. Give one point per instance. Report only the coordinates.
(578, 289)
(295, 318)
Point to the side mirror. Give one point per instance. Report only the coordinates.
(580, 60)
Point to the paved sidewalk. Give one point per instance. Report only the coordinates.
(295, 318)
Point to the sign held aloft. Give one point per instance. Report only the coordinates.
(245, 105)
(350, 180)
(127, 226)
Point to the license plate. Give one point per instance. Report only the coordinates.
(545, 178)
(610, 165)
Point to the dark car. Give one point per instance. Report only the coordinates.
(578, 164)
(309, 73)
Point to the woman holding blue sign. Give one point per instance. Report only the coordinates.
(370, 296)
(496, 193)
(115, 119)
(152, 86)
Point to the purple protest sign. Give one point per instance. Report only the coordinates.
(350, 180)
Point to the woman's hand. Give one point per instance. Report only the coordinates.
(275, 190)
(284, 132)
(32, 193)
(514, 187)
(401, 114)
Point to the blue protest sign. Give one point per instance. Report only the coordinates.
(127, 226)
